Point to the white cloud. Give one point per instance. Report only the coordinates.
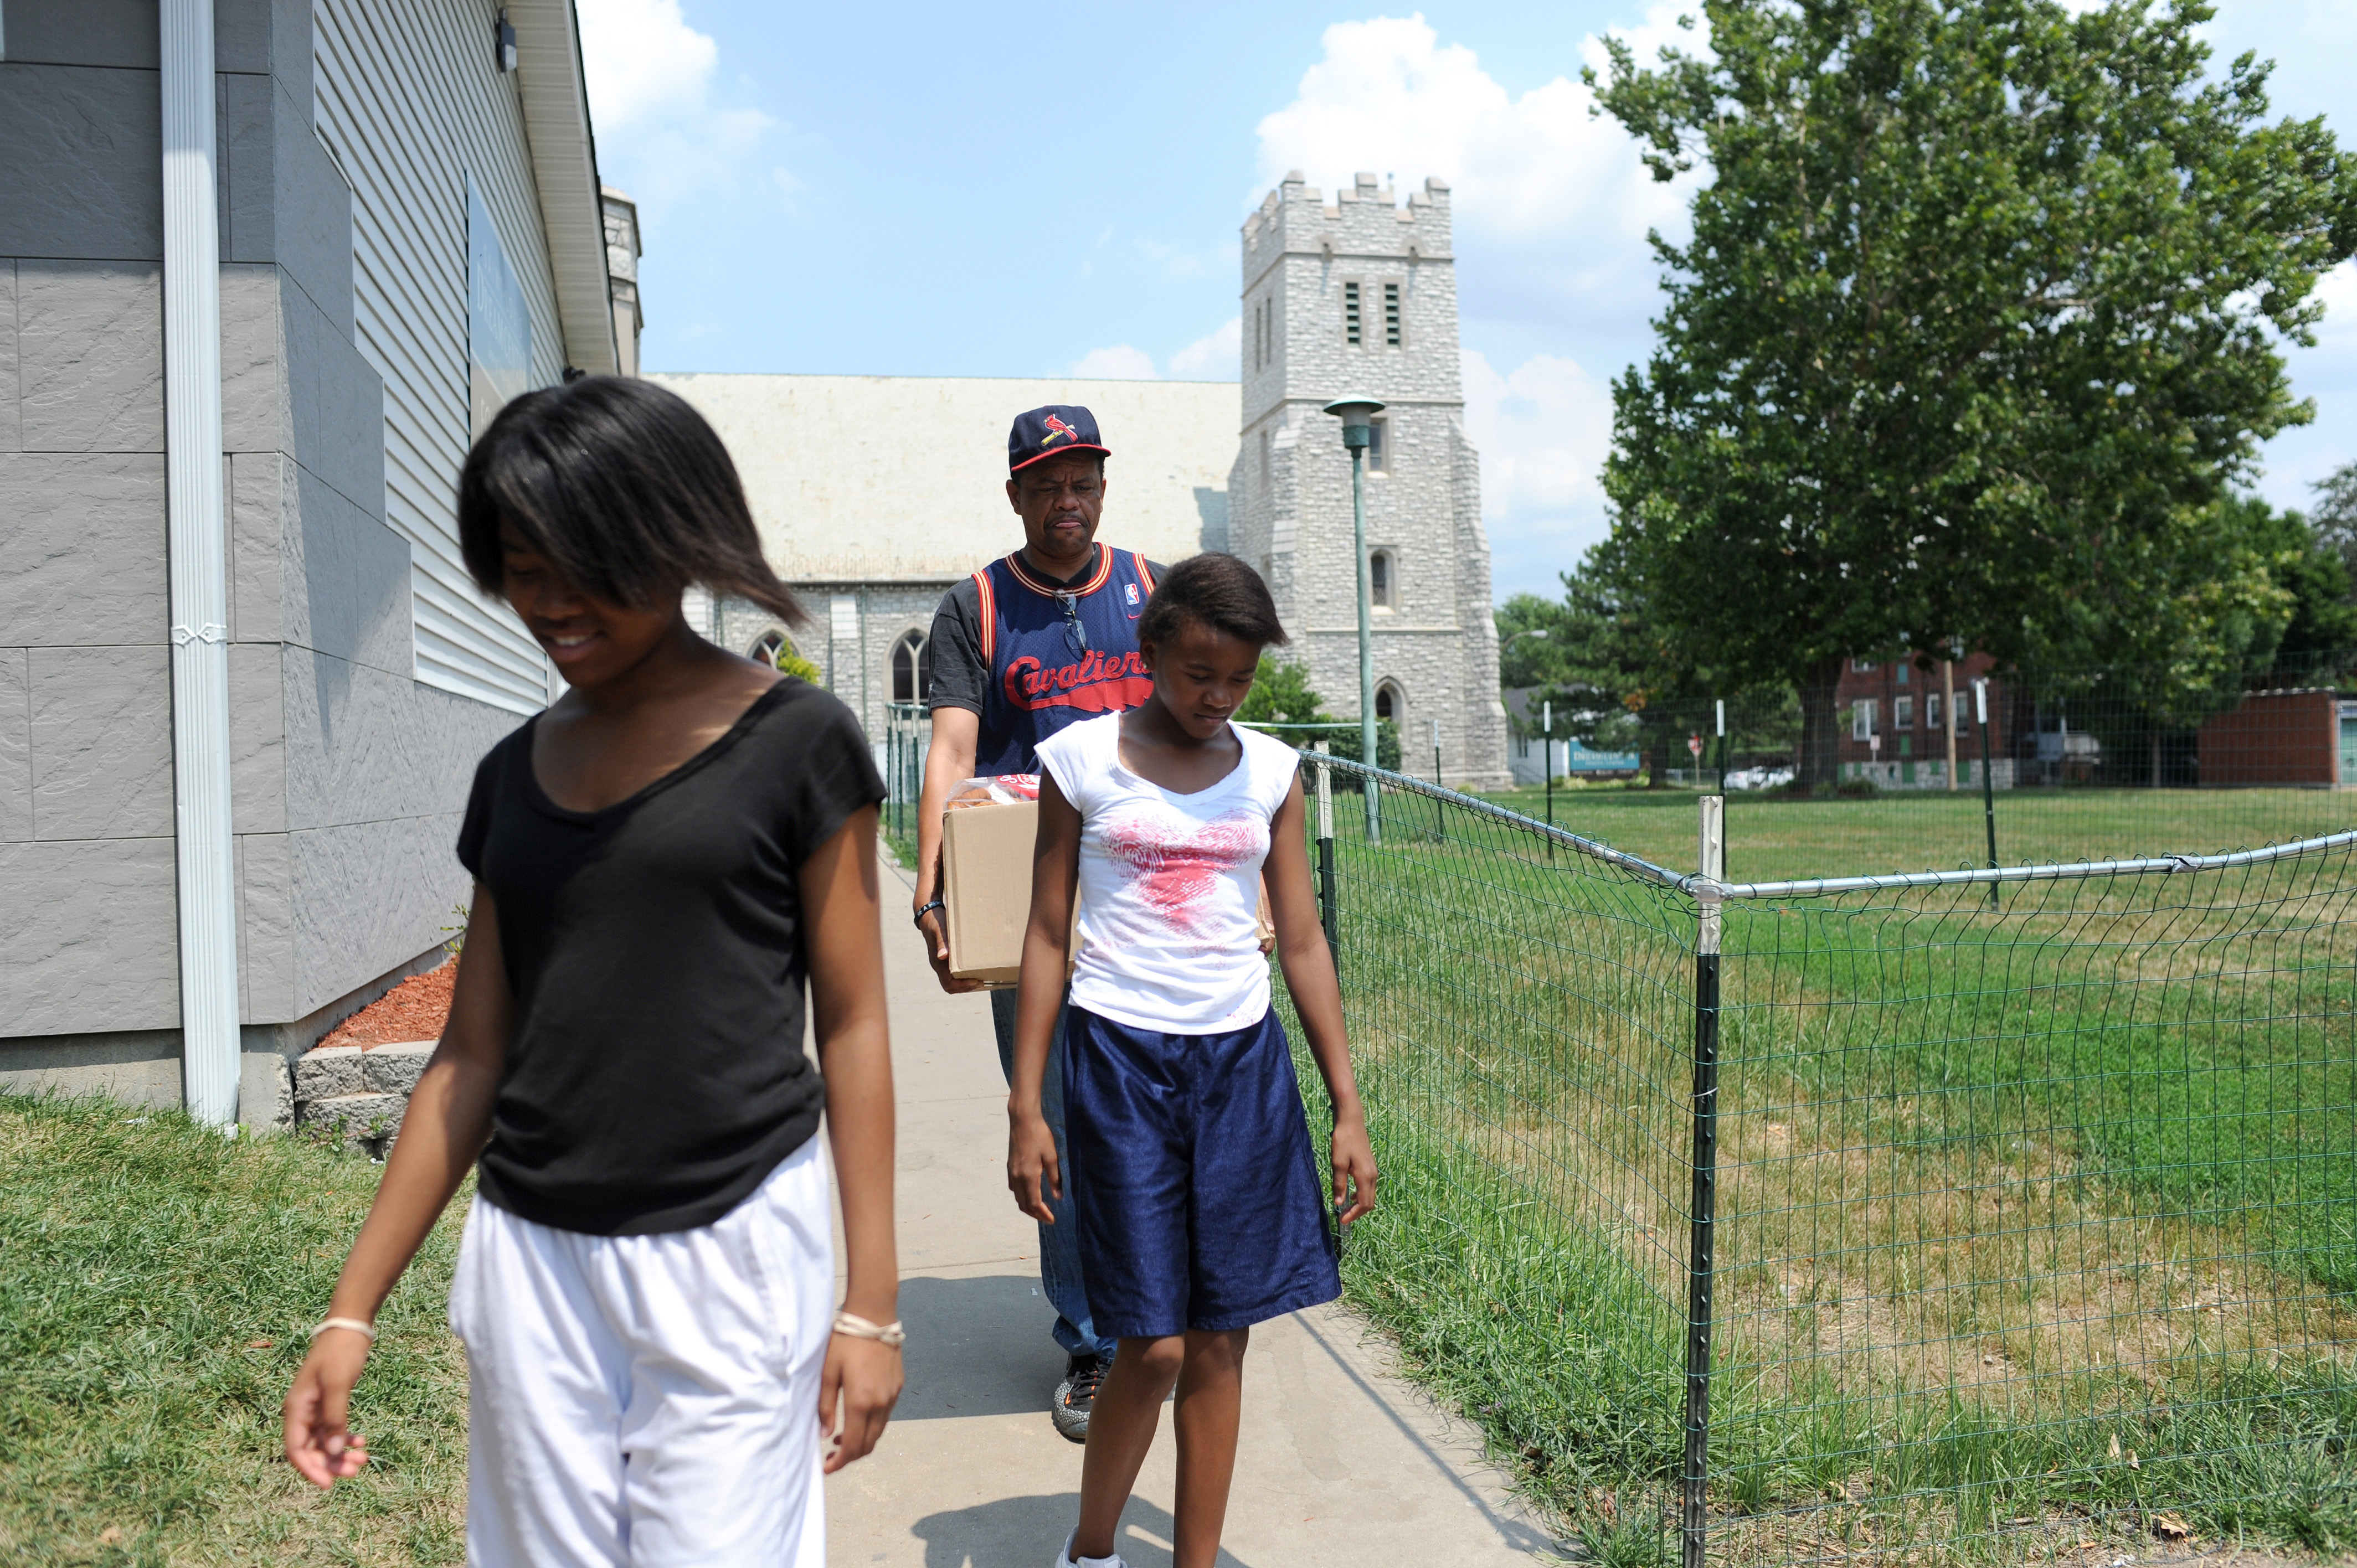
(1217, 356)
(1551, 207)
(642, 60)
(1388, 96)
(1173, 260)
(2336, 292)
(1118, 363)
(1542, 431)
(1214, 356)
(652, 98)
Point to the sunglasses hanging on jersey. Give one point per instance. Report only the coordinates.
(1076, 636)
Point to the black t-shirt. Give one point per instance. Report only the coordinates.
(960, 674)
(656, 1074)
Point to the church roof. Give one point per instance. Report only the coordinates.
(874, 479)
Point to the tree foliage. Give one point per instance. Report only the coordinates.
(1280, 695)
(1978, 323)
(1281, 698)
(1620, 678)
(2335, 517)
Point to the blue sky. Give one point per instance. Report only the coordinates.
(1006, 192)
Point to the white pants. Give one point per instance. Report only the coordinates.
(640, 1401)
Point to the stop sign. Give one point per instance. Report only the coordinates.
(1694, 744)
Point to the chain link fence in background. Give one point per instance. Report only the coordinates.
(1913, 763)
(907, 731)
(1868, 1218)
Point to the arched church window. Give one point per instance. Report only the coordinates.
(767, 647)
(1381, 583)
(912, 668)
(1387, 701)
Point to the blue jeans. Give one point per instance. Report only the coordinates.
(1059, 1244)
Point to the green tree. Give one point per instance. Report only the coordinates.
(1281, 698)
(802, 669)
(1978, 323)
(1533, 633)
(1619, 678)
(1280, 695)
(2319, 626)
(2335, 517)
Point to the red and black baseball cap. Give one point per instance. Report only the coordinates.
(1051, 431)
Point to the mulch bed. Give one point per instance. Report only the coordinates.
(414, 1010)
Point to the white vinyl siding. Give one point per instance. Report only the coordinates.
(407, 98)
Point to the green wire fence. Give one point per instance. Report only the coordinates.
(1856, 1218)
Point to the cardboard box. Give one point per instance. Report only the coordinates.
(986, 854)
(987, 884)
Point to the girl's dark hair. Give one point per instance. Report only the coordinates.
(625, 489)
(1221, 592)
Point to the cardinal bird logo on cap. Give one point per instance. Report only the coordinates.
(1058, 431)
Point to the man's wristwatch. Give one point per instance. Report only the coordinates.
(919, 922)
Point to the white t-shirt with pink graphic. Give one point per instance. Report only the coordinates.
(1169, 937)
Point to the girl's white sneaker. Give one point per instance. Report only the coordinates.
(1064, 1558)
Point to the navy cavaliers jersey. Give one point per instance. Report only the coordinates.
(1057, 656)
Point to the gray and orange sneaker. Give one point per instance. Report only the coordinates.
(1076, 1395)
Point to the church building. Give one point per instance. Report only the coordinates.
(1361, 298)
(874, 494)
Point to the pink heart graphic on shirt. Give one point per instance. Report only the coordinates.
(1173, 873)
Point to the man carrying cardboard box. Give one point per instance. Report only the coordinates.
(1042, 637)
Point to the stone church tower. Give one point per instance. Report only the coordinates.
(1361, 297)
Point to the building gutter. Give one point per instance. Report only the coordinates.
(556, 98)
(199, 568)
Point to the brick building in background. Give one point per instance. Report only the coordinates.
(1896, 721)
(1892, 714)
(2296, 738)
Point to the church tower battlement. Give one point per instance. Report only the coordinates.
(1360, 297)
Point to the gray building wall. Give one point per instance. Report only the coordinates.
(348, 775)
(1290, 491)
(858, 667)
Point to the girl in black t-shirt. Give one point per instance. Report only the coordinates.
(661, 860)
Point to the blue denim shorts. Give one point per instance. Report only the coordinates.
(1194, 1180)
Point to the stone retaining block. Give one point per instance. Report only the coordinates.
(363, 1092)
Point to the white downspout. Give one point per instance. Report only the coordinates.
(192, 427)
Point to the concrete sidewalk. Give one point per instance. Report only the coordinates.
(1340, 1464)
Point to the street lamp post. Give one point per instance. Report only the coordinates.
(1357, 415)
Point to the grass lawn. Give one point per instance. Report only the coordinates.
(2038, 1227)
(156, 1281)
(903, 846)
(1772, 839)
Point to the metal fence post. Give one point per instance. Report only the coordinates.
(1547, 766)
(1720, 705)
(1439, 812)
(1328, 915)
(1988, 781)
(1694, 1517)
